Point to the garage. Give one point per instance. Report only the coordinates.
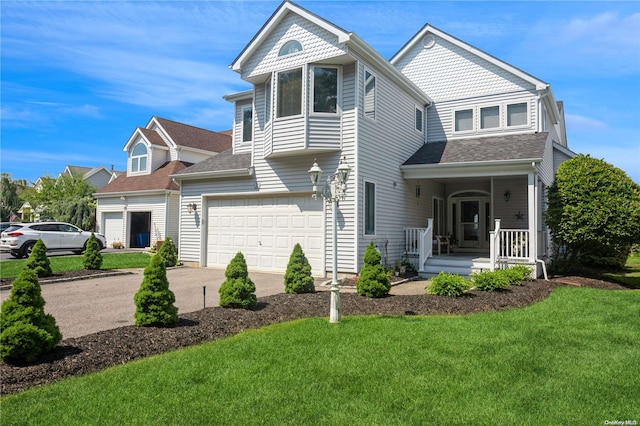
(113, 227)
(264, 229)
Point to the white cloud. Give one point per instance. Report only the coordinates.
(582, 123)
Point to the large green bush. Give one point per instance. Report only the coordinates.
(373, 280)
(446, 284)
(237, 291)
(593, 214)
(490, 281)
(298, 278)
(168, 252)
(517, 274)
(38, 261)
(154, 301)
(27, 332)
(92, 258)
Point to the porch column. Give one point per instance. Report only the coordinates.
(532, 216)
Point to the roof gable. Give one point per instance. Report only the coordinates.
(278, 16)
(429, 29)
(158, 180)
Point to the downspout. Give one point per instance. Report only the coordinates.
(534, 231)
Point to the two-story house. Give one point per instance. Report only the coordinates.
(142, 206)
(441, 141)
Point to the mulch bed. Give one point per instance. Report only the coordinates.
(94, 352)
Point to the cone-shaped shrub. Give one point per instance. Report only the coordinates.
(38, 261)
(237, 291)
(297, 278)
(92, 257)
(154, 301)
(373, 281)
(168, 252)
(27, 332)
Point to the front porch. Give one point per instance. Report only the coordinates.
(432, 254)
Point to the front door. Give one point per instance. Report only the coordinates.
(470, 224)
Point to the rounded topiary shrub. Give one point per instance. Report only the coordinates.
(446, 284)
(92, 258)
(27, 332)
(373, 280)
(297, 278)
(38, 261)
(490, 281)
(154, 301)
(237, 291)
(168, 252)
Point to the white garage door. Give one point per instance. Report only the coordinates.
(113, 227)
(265, 230)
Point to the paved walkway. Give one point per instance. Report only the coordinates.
(91, 305)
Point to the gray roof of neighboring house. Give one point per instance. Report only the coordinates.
(226, 160)
(485, 149)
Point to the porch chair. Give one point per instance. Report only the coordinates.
(441, 240)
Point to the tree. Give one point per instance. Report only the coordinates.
(373, 281)
(38, 261)
(27, 332)
(593, 214)
(154, 301)
(67, 198)
(92, 258)
(237, 291)
(297, 278)
(10, 191)
(168, 252)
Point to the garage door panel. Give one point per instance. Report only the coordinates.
(280, 222)
(113, 226)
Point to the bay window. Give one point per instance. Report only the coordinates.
(325, 89)
(289, 99)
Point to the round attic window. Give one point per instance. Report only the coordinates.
(428, 41)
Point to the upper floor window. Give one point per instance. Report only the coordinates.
(517, 114)
(464, 120)
(247, 124)
(292, 46)
(369, 95)
(139, 158)
(289, 100)
(325, 89)
(489, 117)
(419, 119)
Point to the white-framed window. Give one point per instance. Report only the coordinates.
(369, 208)
(517, 114)
(463, 120)
(267, 101)
(490, 117)
(369, 95)
(325, 89)
(247, 123)
(139, 157)
(290, 47)
(419, 119)
(289, 94)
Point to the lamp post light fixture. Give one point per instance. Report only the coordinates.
(335, 189)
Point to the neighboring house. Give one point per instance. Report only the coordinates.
(97, 177)
(141, 207)
(442, 141)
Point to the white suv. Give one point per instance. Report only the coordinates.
(19, 238)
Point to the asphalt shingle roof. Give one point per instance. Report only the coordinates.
(195, 137)
(224, 161)
(158, 180)
(490, 148)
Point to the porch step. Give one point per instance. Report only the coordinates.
(461, 265)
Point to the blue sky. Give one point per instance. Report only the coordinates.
(79, 76)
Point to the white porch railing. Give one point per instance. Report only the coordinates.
(419, 242)
(508, 245)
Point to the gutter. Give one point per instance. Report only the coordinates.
(215, 174)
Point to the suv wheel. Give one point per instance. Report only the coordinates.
(27, 249)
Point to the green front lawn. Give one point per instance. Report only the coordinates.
(11, 268)
(630, 277)
(570, 359)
